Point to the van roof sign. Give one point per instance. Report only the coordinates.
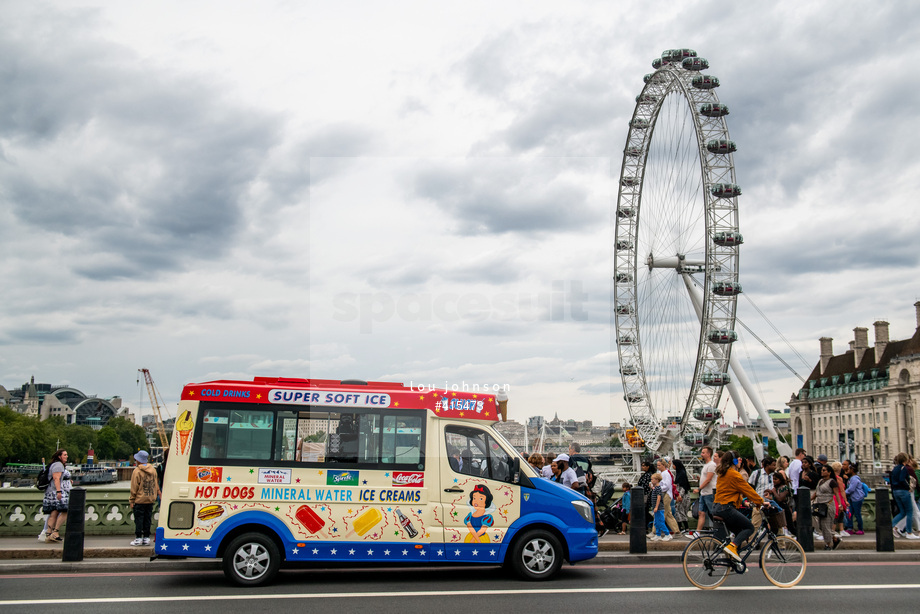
(333, 393)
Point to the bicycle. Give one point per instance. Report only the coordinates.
(706, 564)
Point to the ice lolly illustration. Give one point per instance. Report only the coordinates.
(366, 521)
(184, 425)
(308, 518)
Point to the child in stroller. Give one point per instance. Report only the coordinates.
(615, 516)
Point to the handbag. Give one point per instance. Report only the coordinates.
(819, 510)
(695, 509)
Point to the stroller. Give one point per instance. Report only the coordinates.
(613, 516)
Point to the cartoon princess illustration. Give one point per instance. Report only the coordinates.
(478, 521)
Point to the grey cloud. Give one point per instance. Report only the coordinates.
(40, 335)
(499, 196)
(147, 166)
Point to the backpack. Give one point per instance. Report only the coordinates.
(674, 492)
(43, 479)
(865, 487)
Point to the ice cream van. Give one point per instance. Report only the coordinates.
(277, 470)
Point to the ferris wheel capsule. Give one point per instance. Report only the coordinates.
(715, 379)
(695, 64)
(629, 182)
(695, 440)
(721, 335)
(725, 190)
(706, 414)
(626, 212)
(632, 151)
(721, 146)
(676, 55)
(658, 63)
(629, 370)
(727, 239)
(624, 310)
(623, 245)
(726, 288)
(623, 278)
(714, 109)
(705, 82)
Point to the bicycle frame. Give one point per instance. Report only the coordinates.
(753, 545)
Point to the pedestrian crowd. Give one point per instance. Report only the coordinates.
(771, 489)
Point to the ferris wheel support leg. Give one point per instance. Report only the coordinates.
(742, 379)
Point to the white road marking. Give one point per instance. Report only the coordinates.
(547, 591)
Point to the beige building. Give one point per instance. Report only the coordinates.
(861, 404)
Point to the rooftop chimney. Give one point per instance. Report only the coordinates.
(861, 338)
(827, 351)
(881, 339)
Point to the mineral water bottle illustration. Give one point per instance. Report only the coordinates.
(406, 524)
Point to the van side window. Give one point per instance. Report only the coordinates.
(291, 435)
(472, 451)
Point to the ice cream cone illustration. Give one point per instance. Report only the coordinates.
(502, 399)
(184, 426)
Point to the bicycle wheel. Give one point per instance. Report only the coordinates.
(705, 565)
(783, 562)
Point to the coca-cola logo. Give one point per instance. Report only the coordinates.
(408, 478)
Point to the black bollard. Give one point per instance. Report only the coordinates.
(803, 524)
(637, 528)
(73, 538)
(884, 540)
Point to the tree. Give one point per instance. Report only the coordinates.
(107, 443)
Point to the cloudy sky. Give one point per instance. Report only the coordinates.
(422, 191)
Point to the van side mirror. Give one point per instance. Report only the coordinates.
(516, 476)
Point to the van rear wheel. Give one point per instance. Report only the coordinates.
(537, 555)
(252, 559)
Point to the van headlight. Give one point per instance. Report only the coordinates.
(584, 509)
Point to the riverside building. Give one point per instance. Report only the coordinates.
(861, 405)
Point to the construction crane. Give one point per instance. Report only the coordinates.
(155, 403)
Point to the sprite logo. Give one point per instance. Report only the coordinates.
(341, 478)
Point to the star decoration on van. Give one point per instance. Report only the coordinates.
(251, 470)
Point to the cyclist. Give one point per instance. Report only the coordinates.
(732, 488)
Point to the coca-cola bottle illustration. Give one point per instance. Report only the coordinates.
(406, 523)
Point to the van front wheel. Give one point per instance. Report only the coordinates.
(251, 559)
(537, 555)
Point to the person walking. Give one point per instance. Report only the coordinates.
(682, 509)
(707, 486)
(667, 493)
(856, 494)
(840, 500)
(661, 529)
(144, 492)
(645, 481)
(900, 491)
(823, 497)
(762, 481)
(57, 495)
(782, 494)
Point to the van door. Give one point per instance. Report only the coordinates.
(478, 500)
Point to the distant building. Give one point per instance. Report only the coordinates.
(44, 401)
(861, 404)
